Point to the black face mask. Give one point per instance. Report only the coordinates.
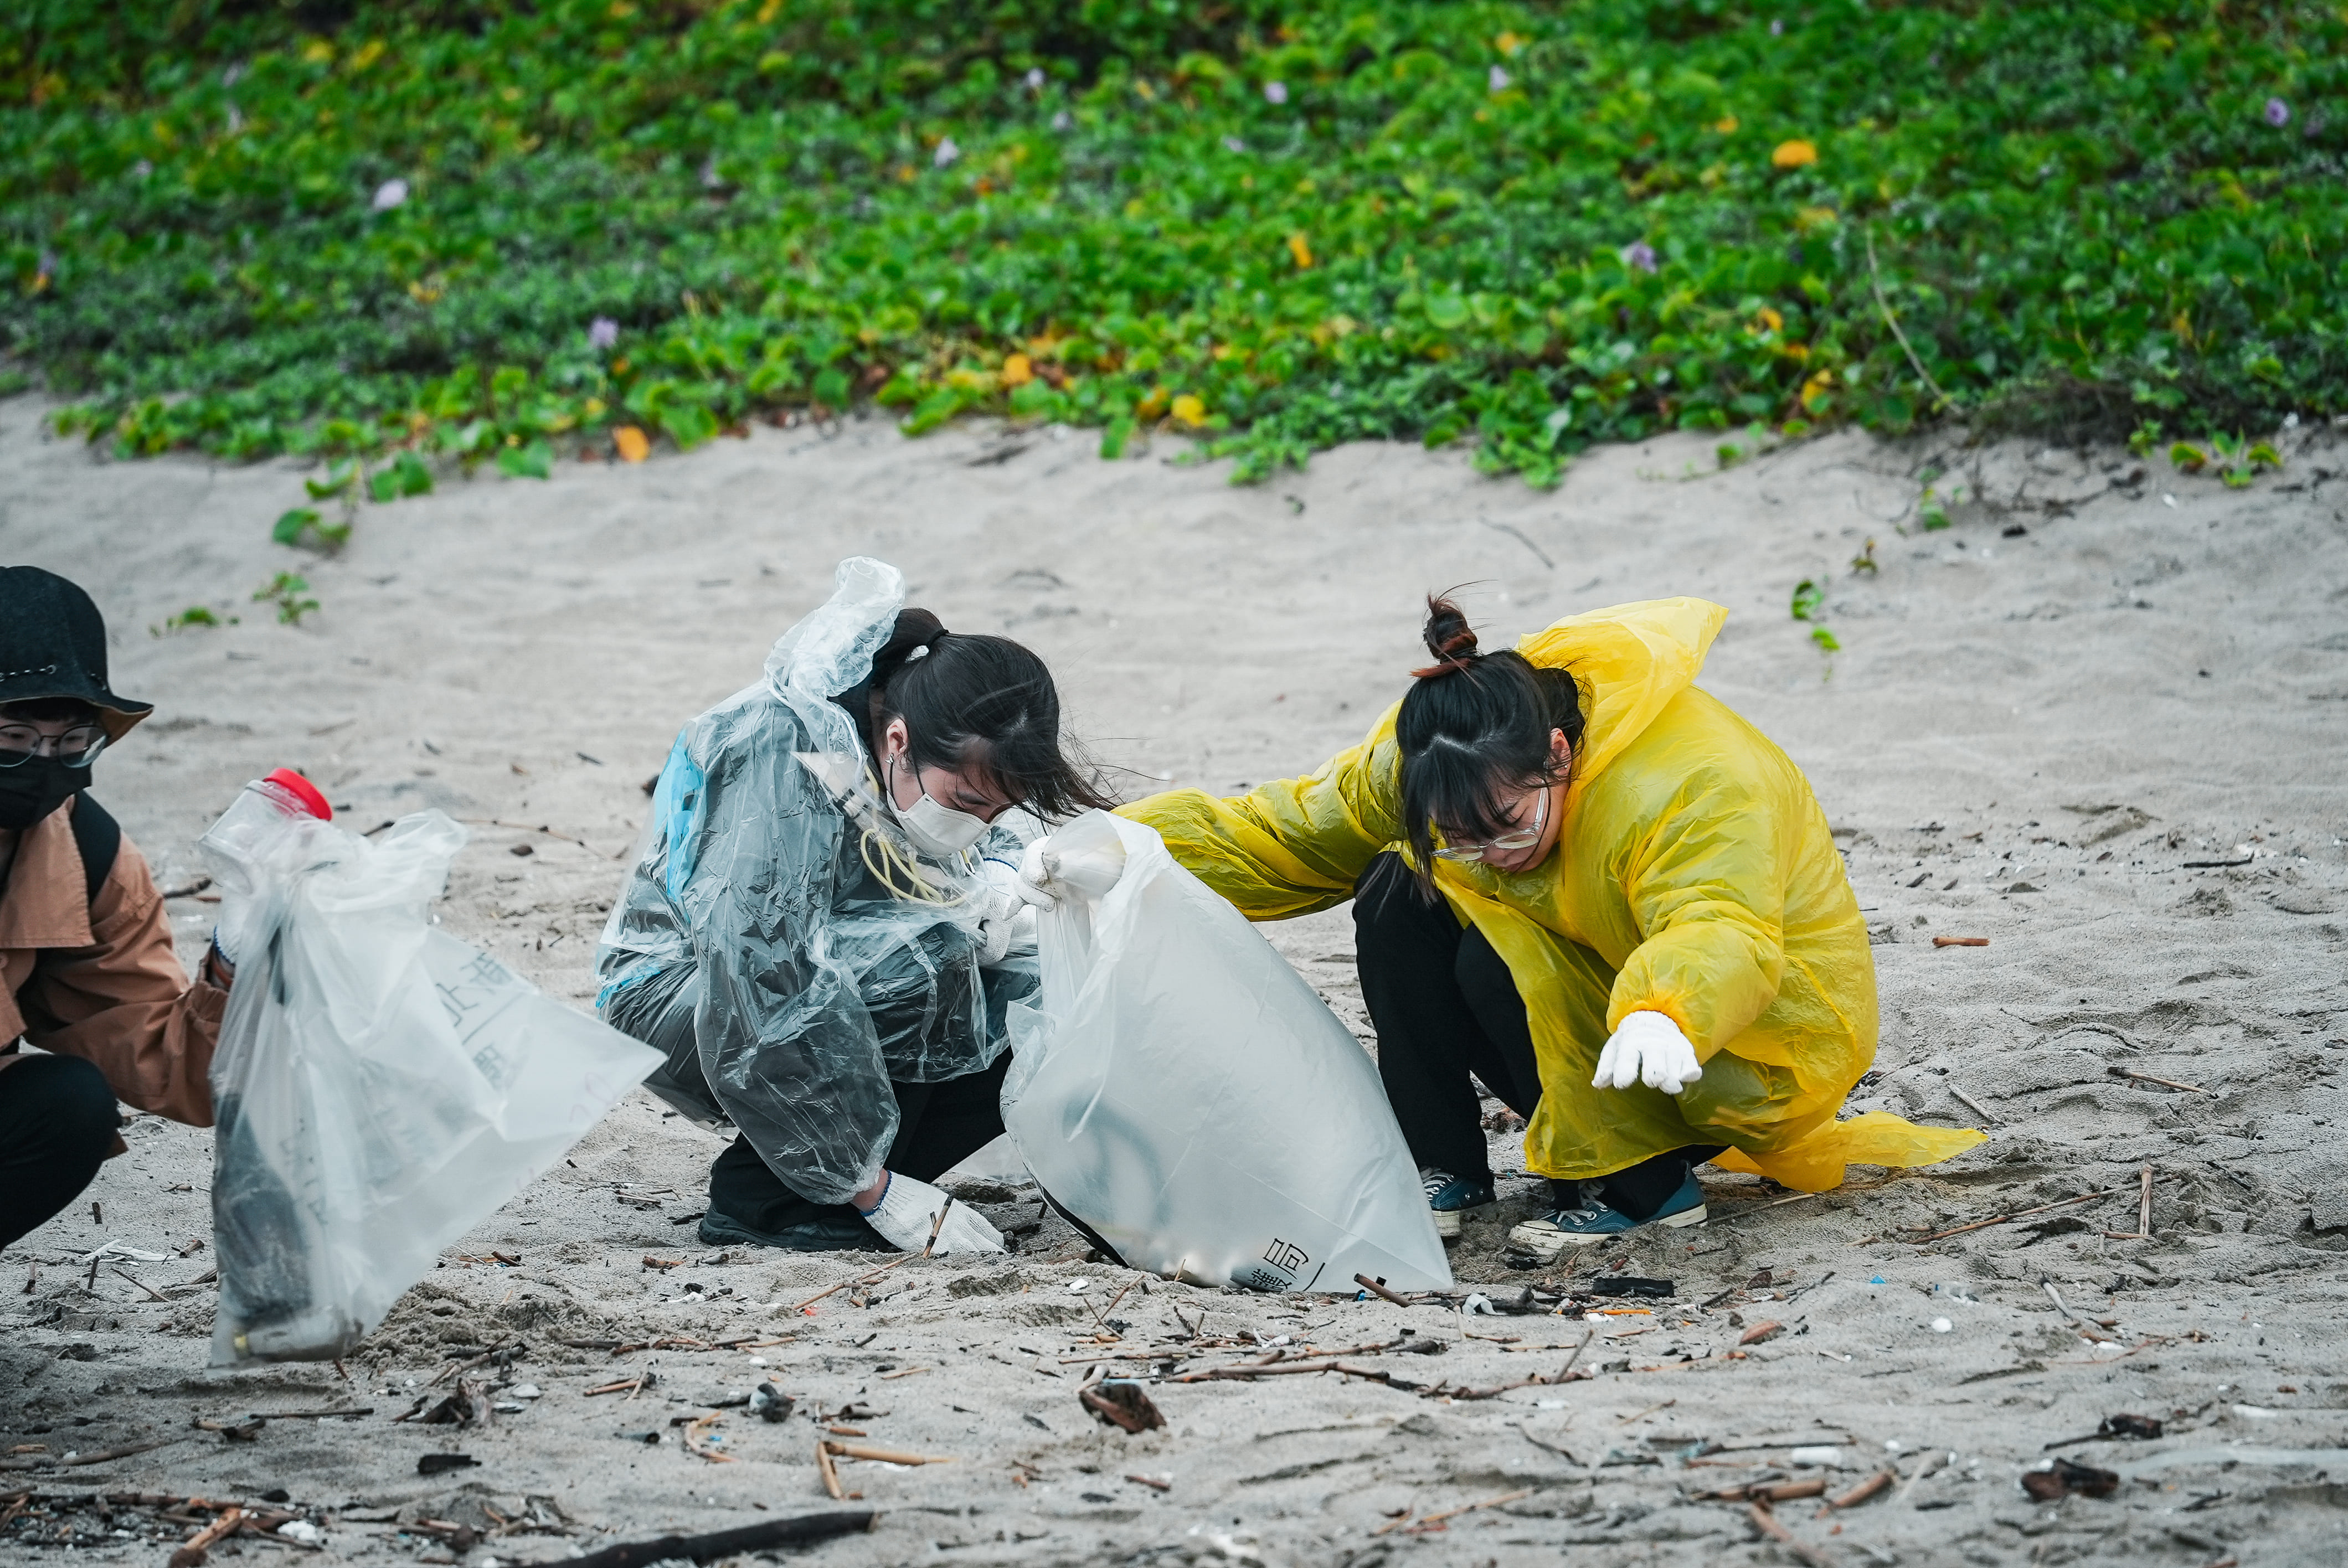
(35, 787)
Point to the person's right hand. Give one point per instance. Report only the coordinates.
(907, 1215)
(1648, 1049)
(1047, 872)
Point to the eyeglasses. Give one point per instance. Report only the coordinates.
(1523, 838)
(20, 744)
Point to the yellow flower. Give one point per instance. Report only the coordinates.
(1018, 370)
(1810, 218)
(1769, 321)
(1508, 43)
(1152, 405)
(1188, 410)
(632, 445)
(317, 51)
(1796, 154)
(1301, 251)
(1725, 125)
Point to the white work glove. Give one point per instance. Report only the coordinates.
(1648, 1049)
(908, 1212)
(1046, 871)
(1007, 924)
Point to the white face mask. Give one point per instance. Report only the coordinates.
(935, 829)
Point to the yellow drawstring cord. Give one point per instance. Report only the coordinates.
(891, 862)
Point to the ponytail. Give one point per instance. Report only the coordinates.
(1473, 729)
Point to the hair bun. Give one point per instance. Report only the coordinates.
(1447, 636)
(915, 633)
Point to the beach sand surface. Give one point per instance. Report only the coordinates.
(2100, 721)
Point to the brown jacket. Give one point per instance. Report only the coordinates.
(97, 977)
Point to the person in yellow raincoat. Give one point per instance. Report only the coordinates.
(1604, 893)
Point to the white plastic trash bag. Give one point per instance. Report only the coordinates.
(1182, 1094)
(379, 1087)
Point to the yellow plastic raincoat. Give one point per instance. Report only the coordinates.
(1695, 875)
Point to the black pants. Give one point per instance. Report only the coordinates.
(938, 1125)
(1445, 1006)
(56, 1121)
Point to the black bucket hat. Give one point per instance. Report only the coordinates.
(53, 644)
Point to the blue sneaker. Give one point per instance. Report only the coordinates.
(1595, 1220)
(1451, 1197)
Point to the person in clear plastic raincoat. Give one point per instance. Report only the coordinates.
(820, 933)
(1601, 892)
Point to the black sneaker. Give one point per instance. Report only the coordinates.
(1451, 1197)
(847, 1233)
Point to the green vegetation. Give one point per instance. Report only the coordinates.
(480, 232)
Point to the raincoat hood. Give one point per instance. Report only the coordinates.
(1630, 661)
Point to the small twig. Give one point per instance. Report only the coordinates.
(884, 1456)
(1978, 1108)
(1650, 1410)
(1767, 1522)
(1875, 279)
(1153, 1483)
(829, 1472)
(1879, 1482)
(2117, 1070)
(142, 1284)
(2017, 1214)
(190, 1553)
(862, 1279)
(1961, 941)
(1435, 1520)
(1375, 1288)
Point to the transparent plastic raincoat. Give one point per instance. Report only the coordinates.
(1695, 877)
(780, 939)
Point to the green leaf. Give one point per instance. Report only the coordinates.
(1825, 640)
(533, 459)
(1807, 598)
(291, 526)
(2188, 458)
(1115, 435)
(831, 388)
(687, 424)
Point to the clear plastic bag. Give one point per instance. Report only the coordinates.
(379, 1087)
(1180, 1091)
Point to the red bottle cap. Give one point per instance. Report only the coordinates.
(303, 791)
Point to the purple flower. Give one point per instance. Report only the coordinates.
(141, 170)
(391, 193)
(1063, 120)
(603, 333)
(1276, 92)
(1638, 254)
(1035, 78)
(1777, 29)
(2278, 113)
(1499, 79)
(1234, 144)
(946, 153)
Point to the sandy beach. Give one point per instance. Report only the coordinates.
(2099, 721)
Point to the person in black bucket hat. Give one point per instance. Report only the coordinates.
(87, 972)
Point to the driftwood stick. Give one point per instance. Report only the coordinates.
(763, 1536)
(2017, 1214)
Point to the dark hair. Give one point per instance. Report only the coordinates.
(1474, 728)
(975, 700)
(51, 711)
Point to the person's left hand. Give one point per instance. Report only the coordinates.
(1005, 922)
(1648, 1049)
